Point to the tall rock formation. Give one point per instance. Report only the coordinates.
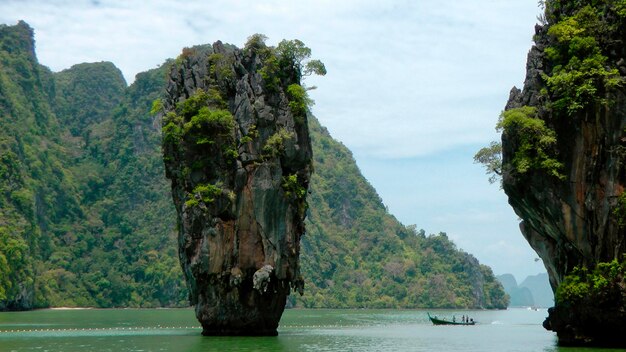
(237, 150)
(563, 154)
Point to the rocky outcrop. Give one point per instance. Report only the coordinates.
(238, 154)
(569, 209)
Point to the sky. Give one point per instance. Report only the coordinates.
(414, 87)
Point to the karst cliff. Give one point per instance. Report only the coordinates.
(563, 155)
(237, 151)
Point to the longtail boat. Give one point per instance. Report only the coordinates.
(437, 321)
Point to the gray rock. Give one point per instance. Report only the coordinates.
(238, 248)
(261, 278)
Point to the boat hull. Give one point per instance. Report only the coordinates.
(437, 321)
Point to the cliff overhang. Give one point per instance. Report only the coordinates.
(237, 150)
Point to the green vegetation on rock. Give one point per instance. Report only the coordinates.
(206, 193)
(299, 102)
(275, 144)
(536, 146)
(597, 287)
(291, 58)
(535, 142)
(580, 75)
(577, 76)
(563, 164)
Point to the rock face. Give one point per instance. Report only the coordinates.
(571, 219)
(239, 158)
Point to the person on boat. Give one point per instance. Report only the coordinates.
(454, 318)
(463, 318)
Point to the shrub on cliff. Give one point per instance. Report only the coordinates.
(535, 142)
(579, 74)
(290, 59)
(597, 287)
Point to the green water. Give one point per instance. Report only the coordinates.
(300, 330)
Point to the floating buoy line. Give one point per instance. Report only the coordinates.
(121, 329)
(156, 328)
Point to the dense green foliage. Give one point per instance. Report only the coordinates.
(292, 55)
(579, 74)
(86, 216)
(82, 103)
(577, 77)
(275, 144)
(535, 146)
(299, 102)
(82, 186)
(602, 285)
(292, 187)
(35, 196)
(535, 142)
(291, 58)
(582, 37)
(205, 193)
(288, 62)
(194, 123)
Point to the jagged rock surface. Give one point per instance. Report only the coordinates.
(239, 251)
(570, 222)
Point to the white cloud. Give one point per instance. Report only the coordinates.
(413, 77)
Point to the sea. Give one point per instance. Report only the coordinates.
(143, 330)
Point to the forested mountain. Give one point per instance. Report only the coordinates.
(355, 254)
(86, 216)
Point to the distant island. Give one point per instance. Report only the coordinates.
(533, 291)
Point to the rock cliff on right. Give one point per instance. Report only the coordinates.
(563, 165)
